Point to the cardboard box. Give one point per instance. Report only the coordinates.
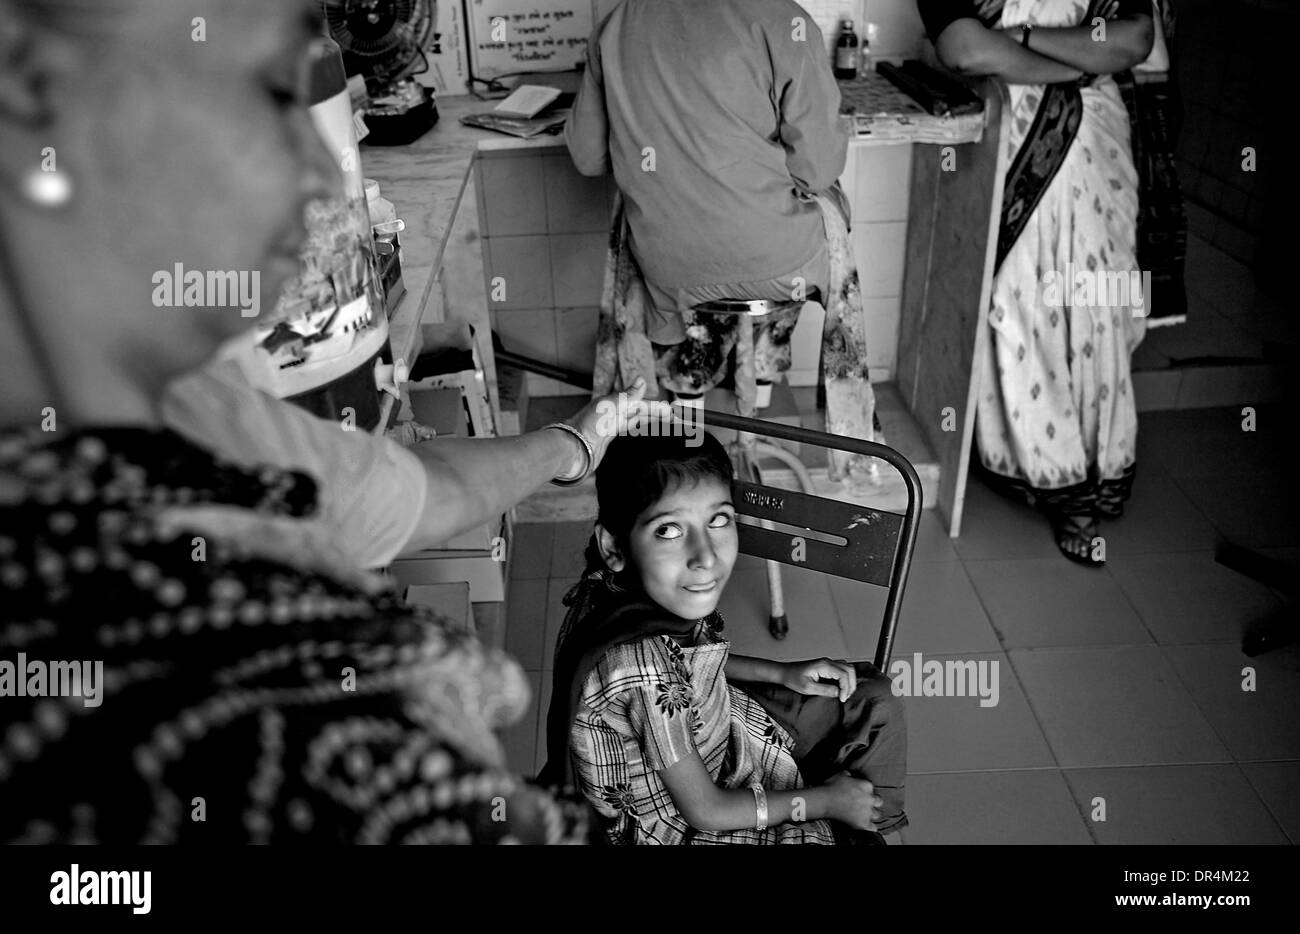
(486, 577)
(450, 601)
(443, 410)
(449, 359)
(478, 538)
(481, 569)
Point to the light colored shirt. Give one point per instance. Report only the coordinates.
(714, 116)
(371, 490)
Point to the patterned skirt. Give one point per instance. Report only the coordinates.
(715, 354)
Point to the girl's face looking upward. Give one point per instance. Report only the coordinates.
(683, 547)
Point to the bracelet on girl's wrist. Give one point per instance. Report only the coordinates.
(587, 450)
(760, 808)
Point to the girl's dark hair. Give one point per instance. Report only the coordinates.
(637, 471)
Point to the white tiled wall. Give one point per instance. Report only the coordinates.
(877, 179)
(544, 233)
(523, 266)
(898, 25)
(899, 33)
(577, 268)
(514, 196)
(574, 203)
(575, 336)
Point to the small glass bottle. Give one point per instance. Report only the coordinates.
(846, 52)
(865, 64)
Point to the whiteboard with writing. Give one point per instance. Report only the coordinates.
(508, 36)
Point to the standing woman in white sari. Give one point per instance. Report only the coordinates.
(1056, 424)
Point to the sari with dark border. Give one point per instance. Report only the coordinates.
(1040, 157)
(1055, 125)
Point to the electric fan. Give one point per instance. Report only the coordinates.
(384, 41)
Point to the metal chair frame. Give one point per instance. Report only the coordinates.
(878, 544)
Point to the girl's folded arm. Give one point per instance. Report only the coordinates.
(707, 807)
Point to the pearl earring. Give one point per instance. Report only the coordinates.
(47, 189)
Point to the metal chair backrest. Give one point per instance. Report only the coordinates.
(869, 545)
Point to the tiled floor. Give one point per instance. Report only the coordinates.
(1126, 711)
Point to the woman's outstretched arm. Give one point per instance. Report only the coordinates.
(471, 480)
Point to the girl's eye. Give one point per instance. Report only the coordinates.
(668, 532)
(720, 521)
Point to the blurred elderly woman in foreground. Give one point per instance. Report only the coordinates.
(240, 688)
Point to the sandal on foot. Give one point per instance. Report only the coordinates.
(1074, 536)
(1112, 496)
(1110, 504)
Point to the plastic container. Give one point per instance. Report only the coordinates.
(381, 209)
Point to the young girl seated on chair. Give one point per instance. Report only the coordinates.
(671, 737)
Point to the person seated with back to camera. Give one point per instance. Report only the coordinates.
(673, 739)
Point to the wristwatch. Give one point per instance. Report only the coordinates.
(1025, 30)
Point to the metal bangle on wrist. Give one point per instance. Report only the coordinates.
(587, 449)
(760, 808)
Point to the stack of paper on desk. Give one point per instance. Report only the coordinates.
(518, 126)
(527, 101)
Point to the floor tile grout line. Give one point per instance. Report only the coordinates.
(1076, 795)
(1264, 803)
(1119, 585)
(1200, 708)
(1081, 768)
(1020, 681)
(1294, 838)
